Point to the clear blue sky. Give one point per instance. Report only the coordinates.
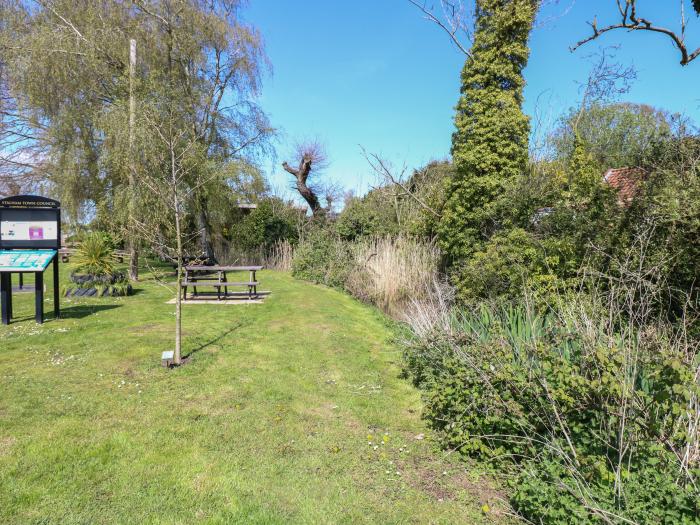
(376, 73)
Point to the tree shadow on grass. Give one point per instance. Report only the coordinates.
(71, 312)
(213, 341)
(83, 310)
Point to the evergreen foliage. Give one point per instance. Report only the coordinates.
(269, 223)
(490, 146)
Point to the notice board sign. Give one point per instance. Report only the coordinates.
(30, 221)
(25, 260)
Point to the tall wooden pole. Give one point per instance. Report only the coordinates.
(133, 245)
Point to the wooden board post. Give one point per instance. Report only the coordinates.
(56, 290)
(5, 297)
(39, 297)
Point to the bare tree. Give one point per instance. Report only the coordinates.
(453, 17)
(396, 182)
(312, 160)
(630, 20)
(605, 82)
(170, 186)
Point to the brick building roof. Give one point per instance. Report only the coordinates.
(626, 182)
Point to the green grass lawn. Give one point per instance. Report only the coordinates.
(291, 411)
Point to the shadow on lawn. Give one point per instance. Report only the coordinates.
(83, 310)
(213, 341)
(71, 312)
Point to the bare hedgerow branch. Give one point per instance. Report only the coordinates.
(632, 21)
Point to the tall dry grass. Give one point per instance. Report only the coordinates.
(280, 256)
(277, 257)
(392, 272)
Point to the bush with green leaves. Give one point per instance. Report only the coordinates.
(269, 223)
(369, 216)
(410, 206)
(94, 271)
(592, 405)
(322, 257)
(511, 261)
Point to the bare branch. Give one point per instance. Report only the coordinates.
(380, 167)
(630, 20)
(312, 159)
(453, 22)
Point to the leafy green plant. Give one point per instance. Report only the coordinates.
(592, 405)
(322, 257)
(490, 144)
(269, 223)
(95, 255)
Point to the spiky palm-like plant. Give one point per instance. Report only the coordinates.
(95, 256)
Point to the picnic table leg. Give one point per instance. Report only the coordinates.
(251, 287)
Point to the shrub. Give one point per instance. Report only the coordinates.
(511, 261)
(365, 217)
(95, 255)
(398, 207)
(264, 226)
(594, 404)
(323, 258)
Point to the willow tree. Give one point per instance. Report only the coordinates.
(66, 87)
(214, 63)
(490, 145)
(62, 66)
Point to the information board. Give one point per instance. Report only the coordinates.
(28, 230)
(30, 237)
(30, 222)
(25, 260)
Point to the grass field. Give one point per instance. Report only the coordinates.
(291, 411)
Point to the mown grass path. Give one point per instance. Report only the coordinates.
(269, 422)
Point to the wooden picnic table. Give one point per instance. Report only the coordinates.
(215, 275)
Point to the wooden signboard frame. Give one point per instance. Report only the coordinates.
(30, 224)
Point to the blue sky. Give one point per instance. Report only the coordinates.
(375, 73)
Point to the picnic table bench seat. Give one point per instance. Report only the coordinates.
(219, 283)
(215, 276)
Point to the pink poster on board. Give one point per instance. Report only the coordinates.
(36, 233)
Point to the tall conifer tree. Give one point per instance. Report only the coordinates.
(490, 145)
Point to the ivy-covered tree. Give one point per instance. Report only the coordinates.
(490, 145)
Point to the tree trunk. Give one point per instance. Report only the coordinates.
(301, 175)
(177, 356)
(132, 243)
(204, 237)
